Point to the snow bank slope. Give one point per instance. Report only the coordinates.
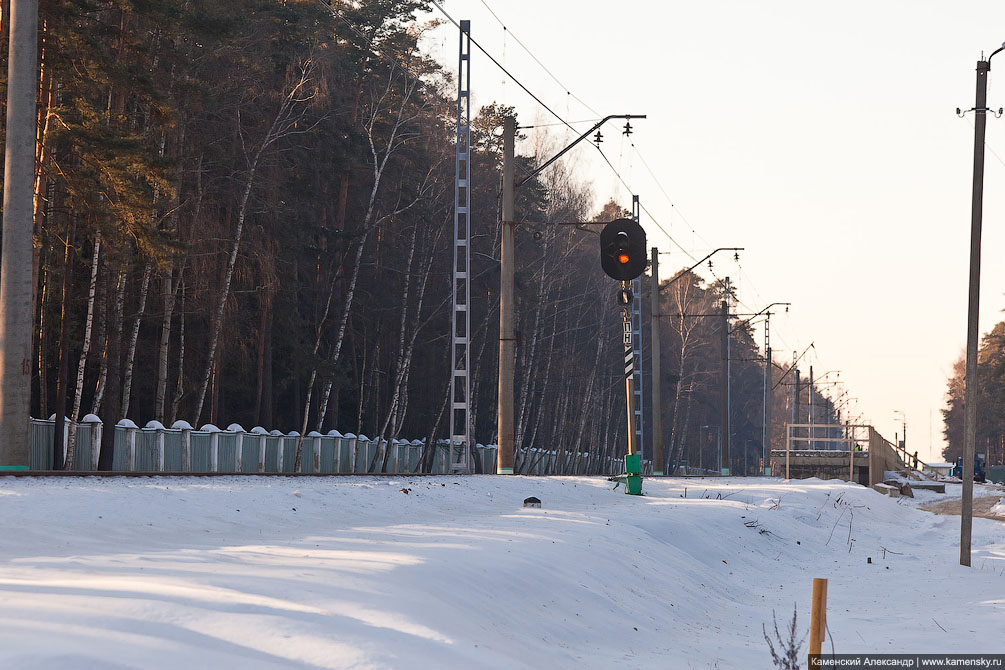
(353, 573)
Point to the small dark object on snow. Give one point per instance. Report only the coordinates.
(406, 491)
(531, 502)
(868, 560)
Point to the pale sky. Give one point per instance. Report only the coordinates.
(822, 138)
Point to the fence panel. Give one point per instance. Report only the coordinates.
(338, 454)
(42, 433)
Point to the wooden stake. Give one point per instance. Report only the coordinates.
(818, 615)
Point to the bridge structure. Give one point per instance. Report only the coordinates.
(852, 452)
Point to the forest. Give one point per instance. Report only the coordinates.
(990, 401)
(243, 214)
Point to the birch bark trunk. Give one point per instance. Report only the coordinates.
(127, 385)
(78, 392)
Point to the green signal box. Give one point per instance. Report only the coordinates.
(633, 474)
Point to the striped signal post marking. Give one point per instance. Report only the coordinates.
(629, 375)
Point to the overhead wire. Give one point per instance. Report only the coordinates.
(501, 66)
(563, 122)
(666, 195)
(537, 60)
(557, 116)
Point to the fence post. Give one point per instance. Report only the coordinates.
(262, 437)
(354, 453)
(186, 449)
(262, 442)
(131, 429)
(159, 428)
(315, 450)
(337, 460)
(239, 449)
(818, 615)
(66, 436)
(95, 436)
(160, 449)
(214, 446)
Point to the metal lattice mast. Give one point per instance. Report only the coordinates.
(766, 406)
(460, 326)
(637, 386)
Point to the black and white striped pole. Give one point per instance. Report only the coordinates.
(625, 298)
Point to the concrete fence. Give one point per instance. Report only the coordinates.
(181, 448)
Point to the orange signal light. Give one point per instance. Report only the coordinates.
(623, 258)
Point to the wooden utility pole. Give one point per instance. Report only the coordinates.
(654, 352)
(16, 309)
(973, 307)
(507, 341)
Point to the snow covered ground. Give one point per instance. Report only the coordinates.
(454, 573)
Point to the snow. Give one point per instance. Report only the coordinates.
(352, 572)
(954, 491)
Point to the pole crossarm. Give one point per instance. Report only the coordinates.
(538, 170)
(685, 272)
(757, 314)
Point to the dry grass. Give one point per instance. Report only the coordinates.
(982, 507)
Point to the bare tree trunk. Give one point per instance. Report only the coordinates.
(283, 124)
(106, 455)
(43, 364)
(99, 389)
(131, 355)
(587, 401)
(379, 165)
(265, 306)
(404, 349)
(85, 349)
(429, 452)
(43, 152)
(168, 293)
(64, 355)
(179, 391)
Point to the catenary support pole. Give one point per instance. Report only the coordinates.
(766, 407)
(460, 325)
(16, 311)
(507, 341)
(724, 400)
(797, 414)
(809, 411)
(654, 353)
(638, 383)
(973, 308)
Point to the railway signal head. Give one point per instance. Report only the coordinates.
(623, 249)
